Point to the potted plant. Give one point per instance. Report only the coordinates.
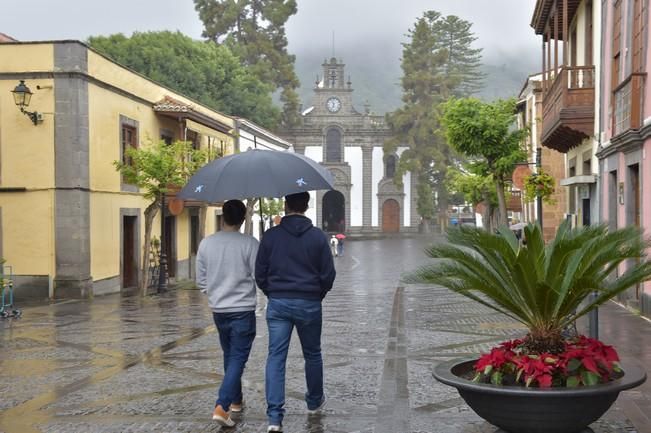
(540, 184)
(547, 381)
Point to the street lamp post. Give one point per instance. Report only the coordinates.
(162, 264)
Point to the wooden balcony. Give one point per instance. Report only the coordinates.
(627, 104)
(568, 108)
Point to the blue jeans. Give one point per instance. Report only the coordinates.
(236, 334)
(282, 316)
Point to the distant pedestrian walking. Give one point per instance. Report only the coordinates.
(333, 245)
(340, 243)
(225, 272)
(295, 270)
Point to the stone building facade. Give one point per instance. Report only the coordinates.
(365, 200)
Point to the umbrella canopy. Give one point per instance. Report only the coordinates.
(256, 173)
(340, 236)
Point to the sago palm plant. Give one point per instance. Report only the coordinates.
(545, 287)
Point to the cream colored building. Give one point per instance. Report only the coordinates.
(571, 39)
(69, 225)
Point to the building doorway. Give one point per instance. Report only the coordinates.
(334, 212)
(634, 208)
(585, 203)
(635, 194)
(390, 216)
(129, 252)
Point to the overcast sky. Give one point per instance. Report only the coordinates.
(502, 25)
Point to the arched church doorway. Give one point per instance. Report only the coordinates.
(390, 216)
(334, 212)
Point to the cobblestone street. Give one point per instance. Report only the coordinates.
(153, 365)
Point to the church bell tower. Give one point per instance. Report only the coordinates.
(332, 92)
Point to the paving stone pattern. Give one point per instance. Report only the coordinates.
(125, 364)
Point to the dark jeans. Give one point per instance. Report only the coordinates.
(236, 334)
(282, 316)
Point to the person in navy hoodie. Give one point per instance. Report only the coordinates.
(295, 270)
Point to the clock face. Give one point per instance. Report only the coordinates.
(333, 105)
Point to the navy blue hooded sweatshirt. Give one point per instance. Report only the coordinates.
(294, 261)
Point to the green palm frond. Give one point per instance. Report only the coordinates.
(545, 287)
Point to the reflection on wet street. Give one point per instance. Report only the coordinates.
(117, 364)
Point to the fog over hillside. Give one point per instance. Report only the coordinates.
(368, 35)
(375, 72)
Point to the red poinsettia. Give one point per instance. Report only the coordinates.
(585, 361)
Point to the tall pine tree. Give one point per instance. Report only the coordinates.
(463, 63)
(255, 31)
(438, 62)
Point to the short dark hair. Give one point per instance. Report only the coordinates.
(234, 212)
(297, 202)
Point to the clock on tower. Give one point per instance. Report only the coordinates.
(333, 104)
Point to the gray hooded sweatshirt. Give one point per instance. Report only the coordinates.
(225, 271)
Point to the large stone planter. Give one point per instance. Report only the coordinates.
(534, 410)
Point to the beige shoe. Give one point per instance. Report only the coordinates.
(222, 417)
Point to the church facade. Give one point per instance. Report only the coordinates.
(349, 143)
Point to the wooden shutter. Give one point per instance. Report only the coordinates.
(588, 33)
(617, 43)
(129, 139)
(638, 35)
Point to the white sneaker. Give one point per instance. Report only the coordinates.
(275, 428)
(320, 407)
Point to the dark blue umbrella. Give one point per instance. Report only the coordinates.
(256, 173)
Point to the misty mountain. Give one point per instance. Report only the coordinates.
(375, 74)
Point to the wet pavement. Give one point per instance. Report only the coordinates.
(119, 364)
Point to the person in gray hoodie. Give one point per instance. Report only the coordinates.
(225, 272)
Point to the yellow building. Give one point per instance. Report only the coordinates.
(69, 226)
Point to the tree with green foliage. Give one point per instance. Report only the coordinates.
(255, 31)
(154, 169)
(476, 187)
(485, 132)
(206, 72)
(437, 62)
(270, 208)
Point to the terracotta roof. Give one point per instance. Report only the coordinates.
(6, 38)
(176, 109)
(170, 104)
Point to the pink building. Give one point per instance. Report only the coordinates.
(624, 109)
